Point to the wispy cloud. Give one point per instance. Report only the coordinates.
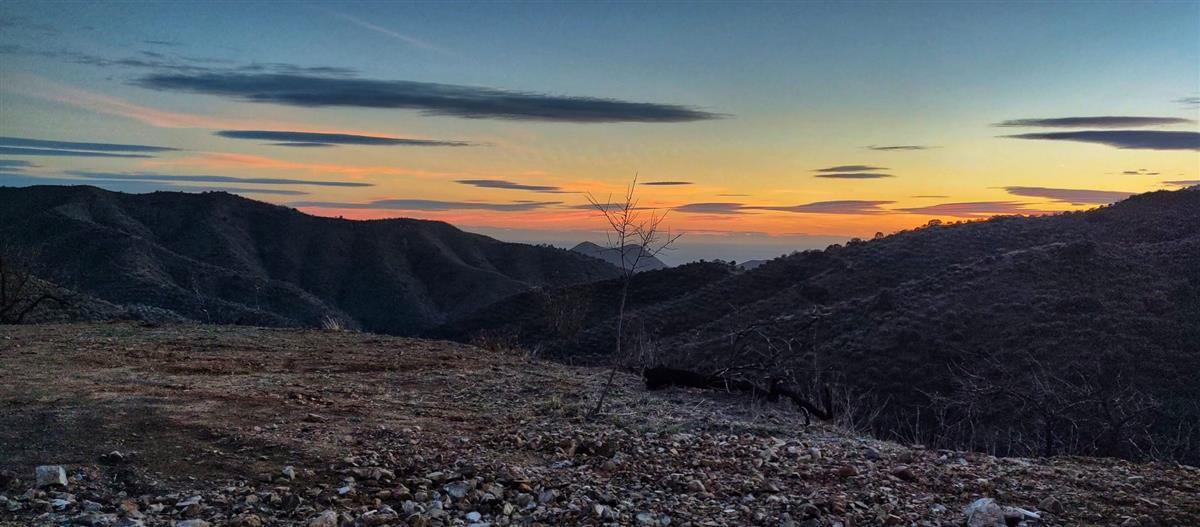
(25, 180)
(1125, 139)
(1190, 102)
(853, 207)
(834, 207)
(432, 99)
(1138, 172)
(508, 185)
(1183, 182)
(18, 151)
(1072, 196)
(711, 208)
(666, 183)
(427, 205)
(201, 178)
(849, 168)
(407, 39)
(34, 86)
(16, 164)
(1105, 121)
(974, 209)
(855, 175)
(290, 138)
(898, 148)
(72, 145)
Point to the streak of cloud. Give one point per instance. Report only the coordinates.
(407, 39)
(898, 148)
(1072, 196)
(849, 168)
(18, 151)
(427, 205)
(1106, 121)
(974, 209)
(73, 145)
(291, 138)
(666, 183)
(1125, 139)
(201, 178)
(508, 185)
(855, 175)
(449, 100)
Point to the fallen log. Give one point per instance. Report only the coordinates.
(660, 377)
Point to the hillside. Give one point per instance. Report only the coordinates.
(1069, 333)
(216, 257)
(199, 425)
(628, 253)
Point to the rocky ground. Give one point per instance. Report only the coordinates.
(205, 425)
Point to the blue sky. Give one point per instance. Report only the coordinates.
(793, 87)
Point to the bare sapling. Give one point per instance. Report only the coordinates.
(635, 233)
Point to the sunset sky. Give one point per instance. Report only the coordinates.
(765, 127)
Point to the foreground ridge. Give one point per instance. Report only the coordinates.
(221, 425)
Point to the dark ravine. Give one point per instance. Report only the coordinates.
(215, 257)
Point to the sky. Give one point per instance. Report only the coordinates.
(760, 128)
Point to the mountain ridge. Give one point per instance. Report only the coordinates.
(216, 257)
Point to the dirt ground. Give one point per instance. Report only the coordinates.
(390, 431)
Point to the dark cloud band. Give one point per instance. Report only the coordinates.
(819, 207)
(855, 175)
(428, 205)
(18, 151)
(287, 138)
(143, 176)
(72, 145)
(1126, 139)
(898, 148)
(1072, 196)
(1107, 121)
(507, 185)
(431, 98)
(666, 183)
(849, 168)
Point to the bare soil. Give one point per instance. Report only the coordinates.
(390, 431)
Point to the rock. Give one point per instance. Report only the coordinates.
(846, 471)
(984, 512)
(325, 519)
(192, 523)
(695, 486)
(1018, 515)
(51, 475)
(183, 504)
(457, 490)
(289, 472)
(644, 518)
(112, 458)
(904, 472)
(1051, 505)
(246, 520)
(474, 516)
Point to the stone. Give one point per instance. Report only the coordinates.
(1051, 505)
(457, 490)
(984, 512)
(904, 472)
(846, 471)
(289, 472)
(51, 475)
(112, 458)
(246, 520)
(474, 516)
(695, 486)
(325, 519)
(192, 523)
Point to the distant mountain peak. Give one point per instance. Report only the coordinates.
(613, 256)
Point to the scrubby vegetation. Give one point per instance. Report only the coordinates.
(1070, 334)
